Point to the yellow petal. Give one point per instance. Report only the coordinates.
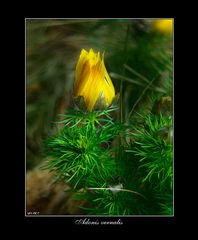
(92, 80)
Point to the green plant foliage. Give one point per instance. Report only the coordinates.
(153, 153)
(154, 150)
(80, 150)
(83, 154)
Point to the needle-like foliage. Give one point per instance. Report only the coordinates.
(80, 149)
(152, 151)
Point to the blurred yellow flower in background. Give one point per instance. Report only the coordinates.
(163, 25)
(92, 80)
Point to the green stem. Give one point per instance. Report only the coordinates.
(140, 97)
(121, 93)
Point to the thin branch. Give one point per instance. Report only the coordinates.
(136, 73)
(117, 189)
(143, 92)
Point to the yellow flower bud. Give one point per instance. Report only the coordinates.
(92, 80)
(163, 26)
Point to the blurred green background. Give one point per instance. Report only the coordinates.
(136, 53)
